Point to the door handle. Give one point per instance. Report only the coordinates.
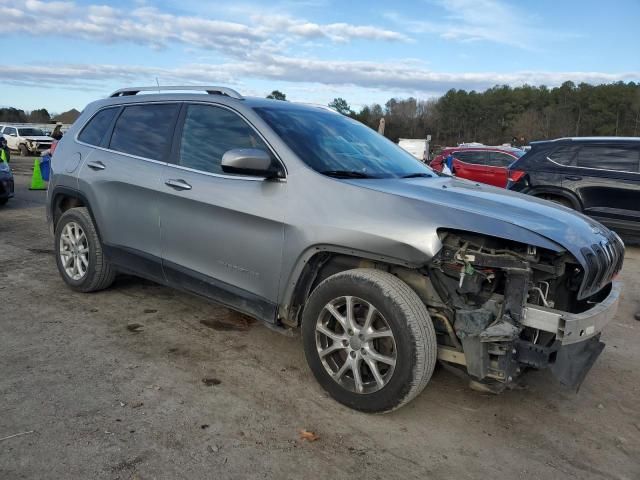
(97, 165)
(573, 177)
(178, 184)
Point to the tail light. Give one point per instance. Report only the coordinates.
(516, 175)
(54, 144)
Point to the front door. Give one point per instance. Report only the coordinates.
(222, 234)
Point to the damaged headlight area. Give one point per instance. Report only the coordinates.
(503, 307)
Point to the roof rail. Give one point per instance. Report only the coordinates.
(211, 90)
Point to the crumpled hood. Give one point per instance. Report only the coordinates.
(442, 197)
(39, 138)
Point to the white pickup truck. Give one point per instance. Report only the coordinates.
(25, 139)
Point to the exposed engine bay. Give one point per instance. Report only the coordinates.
(482, 290)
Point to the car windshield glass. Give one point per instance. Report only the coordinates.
(518, 153)
(336, 145)
(30, 132)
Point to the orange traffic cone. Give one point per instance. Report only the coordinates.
(37, 183)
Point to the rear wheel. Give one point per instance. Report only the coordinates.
(79, 256)
(369, 340)
(559, 200)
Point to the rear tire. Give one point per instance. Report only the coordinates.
(79, 255)
(3, 201)
(559, 200)
(401, 331)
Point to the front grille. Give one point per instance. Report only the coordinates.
(603, 261)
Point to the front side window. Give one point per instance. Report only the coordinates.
(145, 130)
(209, 132)
(475, 158)
(609, 158)
(94, 131)
(9, 131)
(339, 146)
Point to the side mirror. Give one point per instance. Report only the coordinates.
(250, 161)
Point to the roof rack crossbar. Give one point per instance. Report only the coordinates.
(211, 90)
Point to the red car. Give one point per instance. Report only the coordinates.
(480, 163)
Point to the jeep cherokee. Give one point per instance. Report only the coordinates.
(304, 218)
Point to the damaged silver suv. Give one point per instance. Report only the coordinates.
(302, 217)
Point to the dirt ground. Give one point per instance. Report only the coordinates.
(196, 391)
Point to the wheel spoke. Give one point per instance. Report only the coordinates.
(374, 371)
(351, 323)
(381, 358)
(329, 350)
(329, 333)
(84, 261)
(369, 320)
(378, 334)
(357, 377)
(345, 366)
(335, 314)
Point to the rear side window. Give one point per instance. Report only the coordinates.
(564, 155)
(145, 130)
(499, 159)
(209, 132)
(94, 131)
(477, 158)
(609, 158)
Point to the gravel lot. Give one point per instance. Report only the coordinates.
(104, 398)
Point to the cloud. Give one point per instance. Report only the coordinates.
(150, 26)
(482, 20)
(396, 77)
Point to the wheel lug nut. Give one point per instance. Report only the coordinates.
(353, 354)
(363, 351)
(345, 343)
(350, 332)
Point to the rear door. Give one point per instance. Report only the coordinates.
(472, 164)
(222, 234)
(121, 175)
(607, 178)
(498, 168)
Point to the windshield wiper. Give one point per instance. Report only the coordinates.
(345, 174)
(417, 175)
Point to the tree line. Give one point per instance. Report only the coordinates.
(501, 113)
(41, 115)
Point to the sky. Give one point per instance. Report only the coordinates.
(64, 54)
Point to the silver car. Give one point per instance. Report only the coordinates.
(304, 218)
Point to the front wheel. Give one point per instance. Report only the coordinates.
(23, 150)
(369, 340)
(79, 255)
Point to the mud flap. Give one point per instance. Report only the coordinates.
(574, 361)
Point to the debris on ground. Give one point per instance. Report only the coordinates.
(210, 381)
(137, 405)
(16, 435)
(308, 436)
(135, 327)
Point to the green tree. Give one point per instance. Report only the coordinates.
(277, 95)
(341, 106)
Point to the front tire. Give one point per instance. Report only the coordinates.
(369, 340)
(23, 150)
(79, 255)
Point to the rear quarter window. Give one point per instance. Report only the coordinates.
(564, 155)
(96, 128)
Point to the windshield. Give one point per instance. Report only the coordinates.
(336, 145)
(518, 153)
(30, 132)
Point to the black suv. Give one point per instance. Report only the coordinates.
(599, 176)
